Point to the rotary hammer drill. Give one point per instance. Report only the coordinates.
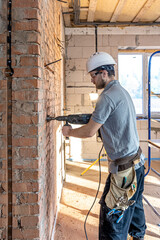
(73, 119)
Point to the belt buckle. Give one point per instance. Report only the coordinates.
(137, 161)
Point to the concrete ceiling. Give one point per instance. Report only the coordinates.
(110, 12)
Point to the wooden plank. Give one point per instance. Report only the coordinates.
(155, 94)
(117, 11)
(92, 9)
(146, 7)
(155, 120)
(130, 10)
(155, 143)
(65, 8)
(76, 8)
(158, 20)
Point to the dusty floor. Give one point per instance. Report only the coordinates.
(79, 193)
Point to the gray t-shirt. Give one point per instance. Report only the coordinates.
(115, 110)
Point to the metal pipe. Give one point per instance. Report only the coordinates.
(155, 172)
(96, 43)
(9, 73)
(62, 1)
(96, 46)
(9, 69)
(117, 24)
(52, 62)
(154, 210)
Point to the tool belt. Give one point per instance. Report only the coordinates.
(121, 192)
(127, 162)
(123, 184)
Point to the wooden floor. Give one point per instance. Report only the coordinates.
(79, 193)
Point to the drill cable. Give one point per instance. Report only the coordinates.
(96, 194)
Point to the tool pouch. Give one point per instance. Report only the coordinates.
(117, 192)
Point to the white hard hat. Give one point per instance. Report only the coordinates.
(99, 59)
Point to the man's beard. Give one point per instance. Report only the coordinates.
(101, 84)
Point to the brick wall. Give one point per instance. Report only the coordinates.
(37, 152)
(80, 45)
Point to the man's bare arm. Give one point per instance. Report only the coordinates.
(85, 131)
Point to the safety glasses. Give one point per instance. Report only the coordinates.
(95, 74)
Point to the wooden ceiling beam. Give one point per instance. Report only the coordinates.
(118, 10)
(65, 8)
(92, 9)
(76, 9)
(145, 7)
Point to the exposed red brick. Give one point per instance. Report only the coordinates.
(22, 119)
(22, 141)
(3, 62)
(19, 49)
(26, 26)
(31, 13)
(34, 49)
(28, 84)
(29, 61)
(25, 164)
(29, 176)
(2, 175)
(3, 132)
(24, 198)
(25, 210)
(3, 233)
(3, 154)
(15, 222)
(26, 72)
(3, 38)
(28, 153)
(4, 211)
(25, 95)
(24, 4)
(3, 198)
(3, 222)
(2, 107)
(30, 221)
(25, 233)
(33, 37)
(25, 187)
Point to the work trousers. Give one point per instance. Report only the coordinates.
(133, 221)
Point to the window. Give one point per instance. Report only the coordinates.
(155, 83)
(133, 76)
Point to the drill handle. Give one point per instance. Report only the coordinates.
(67, 124)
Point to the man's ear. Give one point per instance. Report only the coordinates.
(104, 73)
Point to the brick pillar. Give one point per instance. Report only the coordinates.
(36, 92)
(25, 101)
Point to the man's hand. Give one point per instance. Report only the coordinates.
(66, 131)
(86, 131)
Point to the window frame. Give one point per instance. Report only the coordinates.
(145, 61)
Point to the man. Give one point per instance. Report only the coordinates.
(115, 116)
